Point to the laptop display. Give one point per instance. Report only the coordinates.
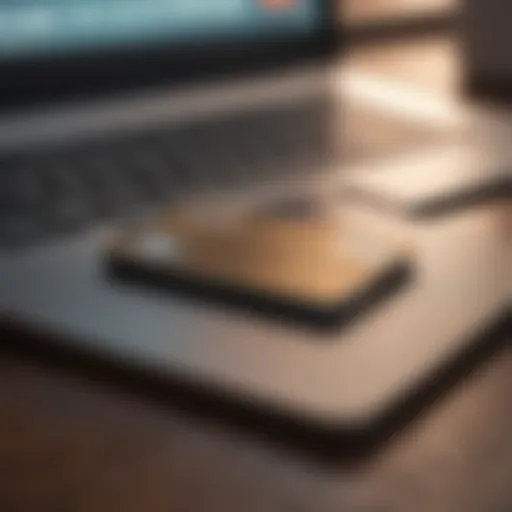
(53, 49)
(31, 28)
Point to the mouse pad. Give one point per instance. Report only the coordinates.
(290, 259)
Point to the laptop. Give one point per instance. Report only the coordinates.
(110, 110)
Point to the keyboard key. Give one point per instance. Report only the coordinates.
(44, 195)
(19, 230)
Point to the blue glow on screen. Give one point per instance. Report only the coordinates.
(33, 27)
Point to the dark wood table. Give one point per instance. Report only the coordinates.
(70, 441)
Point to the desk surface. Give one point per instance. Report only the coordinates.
(72, 444)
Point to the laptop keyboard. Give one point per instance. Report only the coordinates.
(59, 191)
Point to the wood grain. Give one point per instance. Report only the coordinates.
(72, 443)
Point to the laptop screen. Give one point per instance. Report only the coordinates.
(37, 28)
(55, 50)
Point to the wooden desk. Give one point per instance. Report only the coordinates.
(70, 443)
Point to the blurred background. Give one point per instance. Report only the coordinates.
(406, 16)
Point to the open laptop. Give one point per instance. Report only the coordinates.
(110, 109)
(132, 102)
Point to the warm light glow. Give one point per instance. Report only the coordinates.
(405, 101)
